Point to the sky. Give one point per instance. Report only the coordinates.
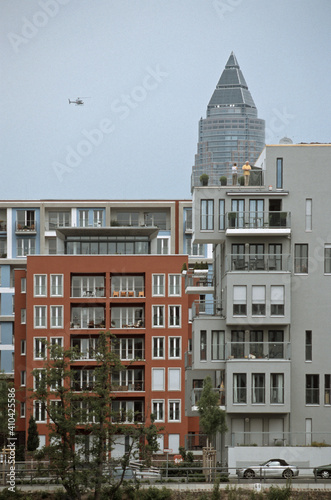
(146, 70)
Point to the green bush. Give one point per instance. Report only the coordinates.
(276, 493)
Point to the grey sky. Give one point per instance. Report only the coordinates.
(149, 68)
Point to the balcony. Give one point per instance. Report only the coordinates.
(199, 281)
(206, 308)
(258, 223)
(127, 317)
(255, 178)
(257, 262)
(196, 395)
(280, 438)
(87, 317)
(27, 227)
(257, 350)
(87, 286)
(127, 286)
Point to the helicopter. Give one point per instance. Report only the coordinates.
(79, 101)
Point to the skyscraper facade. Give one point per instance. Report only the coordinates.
(231, 131)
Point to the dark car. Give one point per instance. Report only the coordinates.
(276, 467)
(323, 471)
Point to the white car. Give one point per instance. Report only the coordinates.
(276, 467)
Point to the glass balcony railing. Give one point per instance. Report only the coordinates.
(196, 395)
(257, 220)
(206, 307)
(258, 350)
(26, 227)
(257, 262)
(256, 178)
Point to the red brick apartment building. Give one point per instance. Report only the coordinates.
(69, 299)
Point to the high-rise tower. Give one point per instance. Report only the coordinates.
(231, 131)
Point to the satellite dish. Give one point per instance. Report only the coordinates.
(286, 140)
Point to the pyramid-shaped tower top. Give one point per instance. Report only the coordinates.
(231, 89)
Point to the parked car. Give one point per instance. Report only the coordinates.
(152, 474)
(323, 471)
(129, 474)
(276, 467)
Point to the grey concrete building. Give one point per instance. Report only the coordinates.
(231, 131)
(265, 338)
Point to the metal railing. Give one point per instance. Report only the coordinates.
(256, 178)
(206, 308)
(257, 262)
(258, 350)
(281, 439)
(26, 227)
(257, 219)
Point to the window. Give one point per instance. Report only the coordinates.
(55, 346)
(174, 379)
(277, 300)
(23, 377)
(83, 218)
(83, 380)
(23, 347)
(174, 347)
(203, 345)
(173, 411)
(40, 316)
(276, 344)
(39, 348)
(239, 301)
(39, 408)
(221, 215)
(56, 316)
(158, 410)
(174, 316)
(309, 346)
(97, 218)
(275, 257)
(162, 246)
(39, 379)
(195, 249)
(237, 214)
(175, 281)
(279, 173)
(207, 215)
(127, 218)
(40, 284)
(158, 347)
(327, 389)
(94, 286)
(312, 389)
(56, 285)
(58, 219)
(258, 388)
(239, 388)
(309, 221)
(158, 284)
(256, 213)
(301, 258)
(217, 345)
(237, 343)
(158, 382)
(158, 219)
(26, 246)
(158, 316)
(124, 348)
(256, 343)
(276, 388)
(23, 285)
(22, 412)
(327, 259)
(258, 300)
(23, 316)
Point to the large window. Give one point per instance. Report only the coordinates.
(158, 285)
(56, 285)
(129, 348)
(127, 317)
(126, 286)
(256, 343)
(196, 249)
(162, 246)
(207, 214)
(39, 410)
(174, 316)
(174, 347)
(312, 389)
(56, 316)
(173, 411)
(127, 218)
(175, 281)
(217, 345)
(84, 347)
(276, 344)
(158, 347)
(275, 257)
(238, 343)
(131, 379)
(239, 300)
(40, 285)
(301, 258)
(239, 388)
(258, 388)
(26, 246)
(158, 316)
(87, 286)
(277, 300)
(258, 300)
(158, 219)
(277, 388)
(88, 317)
(40, 316)
(158, 410)
(39, 348)
(83, 380)
(58, 219)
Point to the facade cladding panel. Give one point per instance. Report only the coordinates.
(113, 291)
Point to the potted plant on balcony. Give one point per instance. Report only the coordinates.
(204, 179)
(223, 180)
(201, 268)
(184, 268)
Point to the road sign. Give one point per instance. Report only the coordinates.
(167, 450)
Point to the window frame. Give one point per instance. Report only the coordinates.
(174, 405)
(56, 286)
(40, 317)
(158, 318)
(157, 287)
(158, 347)
(174, 286)
(39, 286)
(174, 348)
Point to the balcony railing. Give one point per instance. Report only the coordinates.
(131, 294)
(257, 220)
(257, 262)
(280, 438)
(255, 178)
(136, 386)
(199, 279)
(30, 227)
(206, 308)
(196, 395)
(258, 350)
(195, 442)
